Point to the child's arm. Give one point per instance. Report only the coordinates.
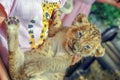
(111, 2)
(3, 14)
(3, 73)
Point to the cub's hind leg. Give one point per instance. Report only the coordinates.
(56, 76)
(49, 76)
(16, 57)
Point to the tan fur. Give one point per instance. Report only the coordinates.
(50, 61)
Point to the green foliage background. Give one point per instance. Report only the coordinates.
(107, 13)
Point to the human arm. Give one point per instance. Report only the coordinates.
(3, 14)
(3, 73)
(1, 20)
(111, 2)
(6, 7)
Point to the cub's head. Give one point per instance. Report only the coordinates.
(83, 40)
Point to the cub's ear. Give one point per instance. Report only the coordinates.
(80, 20)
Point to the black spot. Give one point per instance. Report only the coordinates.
(14, 18)
(30, 42)
(30, 31)
(17, 20)
(41, 36)
(8, 23)
(32, 21)
(42, 31)
(79, 34)
(44, 5)
(47, 15)
(45, 25)
(30, 26)
(32, 36)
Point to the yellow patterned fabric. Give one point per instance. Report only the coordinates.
(31, 33)
(48, 8)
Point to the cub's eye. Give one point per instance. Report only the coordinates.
(79, 34)
(87, 47)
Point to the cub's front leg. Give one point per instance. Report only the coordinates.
(16, 57)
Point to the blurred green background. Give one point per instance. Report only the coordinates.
(109, 14)
(104, 16)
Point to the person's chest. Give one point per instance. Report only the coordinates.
(28, 9)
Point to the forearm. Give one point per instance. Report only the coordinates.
(1, 20)
(111, 2)
(3, 14)
(3, 73)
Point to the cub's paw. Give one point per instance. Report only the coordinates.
(12, 23)
(56, 19)
(55, 23)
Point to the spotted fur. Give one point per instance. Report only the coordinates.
(51, 60)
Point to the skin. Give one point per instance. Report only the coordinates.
(2, 14)
(3, 74)
(1, 20)
(111, 2)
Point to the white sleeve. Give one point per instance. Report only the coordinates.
(62, 2)
(7, 4)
